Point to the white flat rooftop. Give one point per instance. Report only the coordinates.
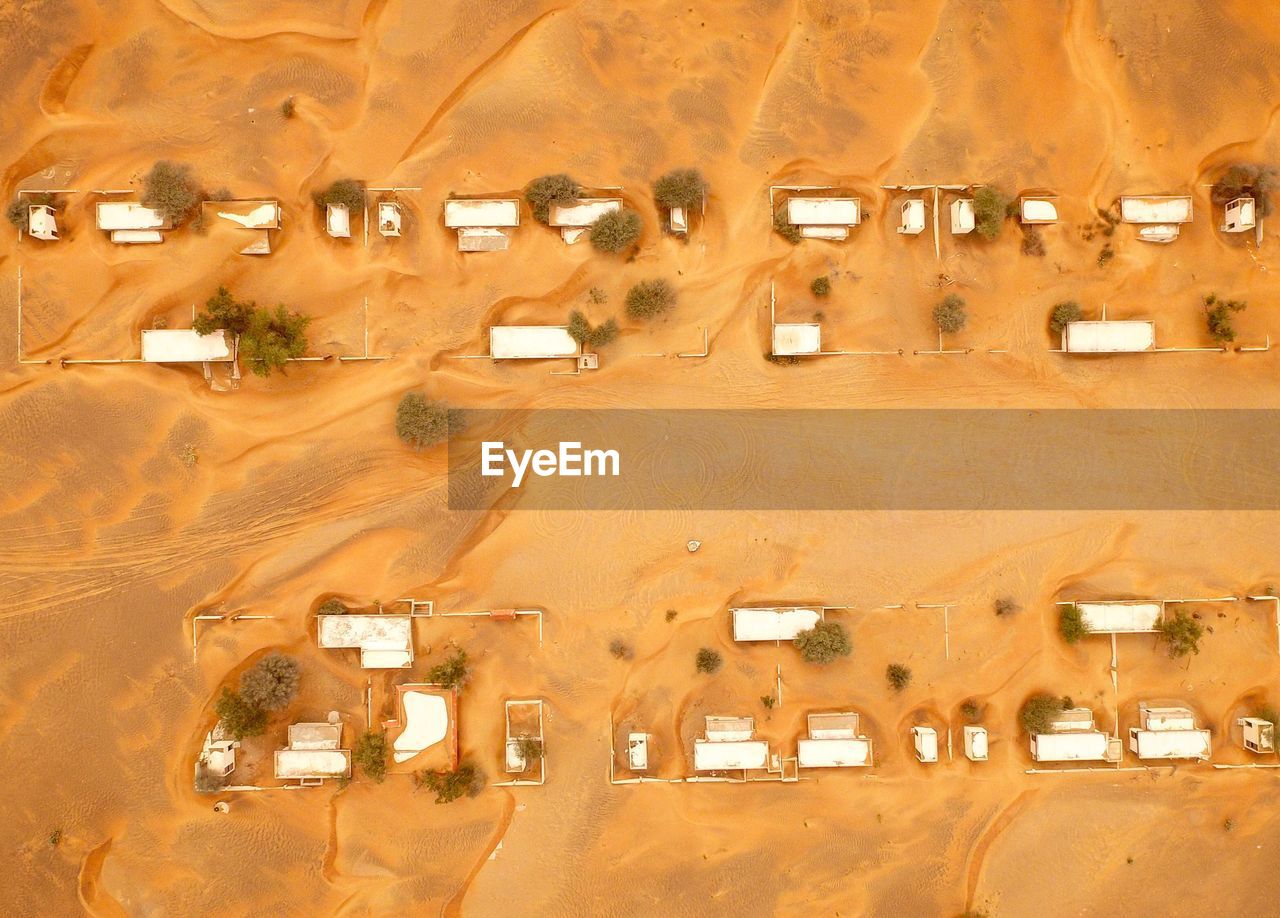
(385, 641)
(128, 215)
(481, 212)
(312, 763)
(772, 624)
(582, 212)
(249, 214)
(1170, 744)
(821, 211)
(795, 339)
(1039, 210)
(1123, 337)
(975, 743)
(183, 345)
(709, 755)
(1155, 208)
(833, 753)
(531, 342)
(426, 723)
(1080, 746)
(337, 221)
(833, 726)
(315, 736)
(1120, 617)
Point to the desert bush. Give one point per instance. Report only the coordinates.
(950, 314)
(223, 311)
(708, 661)
(899, 676)
(530, 748)
(990, 207)
(1105, 254)
(421, 423)
(820, 286)
(671, 615)
(271, 683)
(344, 191)
(824, 643)
(615, 231)
(585, 333)
(170, 190)
(769, 701)
(970, 710)
(542, 192)
(784, 227)
(17, 212)
(1071, 624)
(288, 108)
(240, 718)
(208, 782)
(1255, 180)
(1181, 633)
(370, 753)
(680, 188)
(1218, 317)
(452, 672)
(621, 649)
(1032, 241)
(451, 785)
(650, 298)
(332, 607)
(1039, 712)
(596, 296)
(273, 338)
(1063, 314)
(1006, 605)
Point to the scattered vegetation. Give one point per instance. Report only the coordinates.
(451, 785)
(288, 107)
(971, 711)
(950, 314)
(671, 615)
(621, 649)
(266, 339)
(708, 661)
(680, 188)
(1007, 605)
(1254, 180)
(990, 206)
(1063, 314)
(530, 748)
(1032, 241)
(370, 753)
(769, 701)
(1218, 315)
(240, 718)
(1071, 624)
(332, 607)
(1182, 633)
(650, 298)
(783, 360)
(170, 190)
(453, 672)
(824, 643)
(820, 286)
(589, 335)
(899, 676)
(1039, 712)
(542, 192)
(1105, 254)
(344, 191)
(596, 296)
(55, 838)
(422, 423)
(271, 683)
(16, 212)
(615, 231)
(208, 782)
(188, 455)
(784, 227)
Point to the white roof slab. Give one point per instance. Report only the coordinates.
(709, 755)
(833, 753)
(772, 624)
(481, 212)
(1120, 617)
(183, 345)
(1156, 208)
(583, 212)
(531, 342)
(797, 339)
(1121, 337)
(823, 211)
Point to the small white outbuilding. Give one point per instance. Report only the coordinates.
(912, 222)
(962, 216)
(1128, 336)
(925, 741)
(828, 218)
(728, 745)
(384, 641)
(1239, 215)
(1258, 734)
(975, 743)
(42, 222)
(184, 345)
(1168, 733)
(337, 221)
(774, 624)
(1035, 209)
(531, 342)
(833, 742)
(389, 218)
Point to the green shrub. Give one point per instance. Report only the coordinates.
(273, 338)
(899, 676)
(453, 672)
(1218, 317)
(950, 314)
(824, 643)
(615, 231)
(784, 227)
(170, 190)
(1039, 712)
(240, 718)
(1063, 314)
(989, 209)
(820, 286)
(271, 683)
(421, 423)
(680, 188)
(17, 213)
(370, 753)
(1006, 605)
(344, 191)
(1254, 180)
(584, 333)
(451, 785)
(542, 192)
(650, 298)
(1071, 623)
(1182, 633)
(708, 661)
(222, 311)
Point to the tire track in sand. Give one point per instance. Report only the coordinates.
(993, 831)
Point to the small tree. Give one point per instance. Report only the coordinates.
(615, 231)
(950, 314)
(1254, 180)
(273, 338)
(1063, 314)
(621, 649)
(899, 676)
(451, 785)
(17, 212)
(1071, 623)
(971, 711)
(1218, 314)
(1182, 633)
(332, 607)
(348, 192)
(584, 333)
(271, 683)
(784, 227)
(240, 718)
(824, 643)
(225, 312)
(650, 298)
(680, 188)
(769, 702)
(820, 286)
(288, 108)
(1039, 712)
(453, 672)
(170, 190)
(990, 207)
(421, 423)
(543, 192)
(708, 661)
(1006, 605)
(370, 753)
(530, 749)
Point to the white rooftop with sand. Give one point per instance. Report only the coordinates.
(531, 342)
(183, 345)
(1168, 733)
(129, 215)
(42, 222)
(313, 753)
(1071, 738)
(797, 339)
(1120, 616)
(481, 212)
(833, 742)
(426, 723)
(728, 746)
(1034, 210)
(1109, 337)
(780, 624)
(384, 641)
